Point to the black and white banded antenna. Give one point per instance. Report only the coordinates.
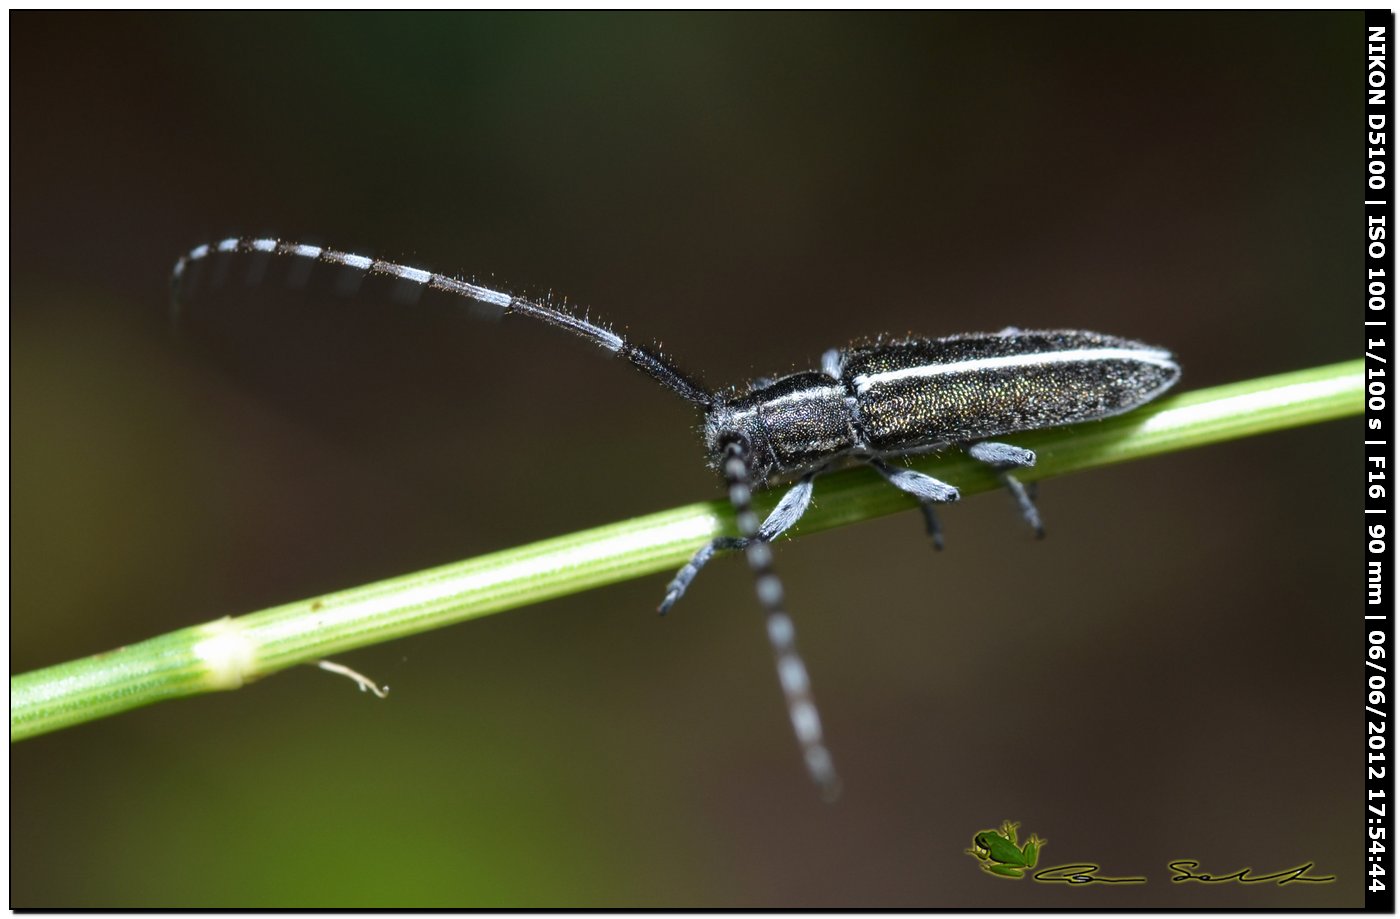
(496, 303)
(734, 455)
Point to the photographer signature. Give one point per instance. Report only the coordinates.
(1086, 873)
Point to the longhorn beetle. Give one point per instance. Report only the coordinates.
(871, 402)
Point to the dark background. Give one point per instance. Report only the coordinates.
(1171, 674)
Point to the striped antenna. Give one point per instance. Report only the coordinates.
(792, 672)
(492, 303)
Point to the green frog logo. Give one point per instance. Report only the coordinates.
(1000, 854)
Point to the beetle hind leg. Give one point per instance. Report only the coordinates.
(1003, 458)
(1023, 498)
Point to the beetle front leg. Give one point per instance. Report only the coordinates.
(676, 589)
(788, 511)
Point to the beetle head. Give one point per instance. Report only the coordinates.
(728, 423)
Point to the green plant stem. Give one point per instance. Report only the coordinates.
(229, 652)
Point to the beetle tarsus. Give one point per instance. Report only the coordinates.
(935, 530)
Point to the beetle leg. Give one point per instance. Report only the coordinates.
(1001, 455)
(926, 488)
(831, 363)
(1004, 456)
(935, 532)
(788, 511)
(676, 589)
(1028, 508)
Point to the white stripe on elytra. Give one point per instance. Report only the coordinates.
(864, 382)
(806, 395)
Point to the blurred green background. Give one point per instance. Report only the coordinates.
(1172, 673)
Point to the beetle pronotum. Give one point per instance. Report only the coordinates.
(870, 402)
